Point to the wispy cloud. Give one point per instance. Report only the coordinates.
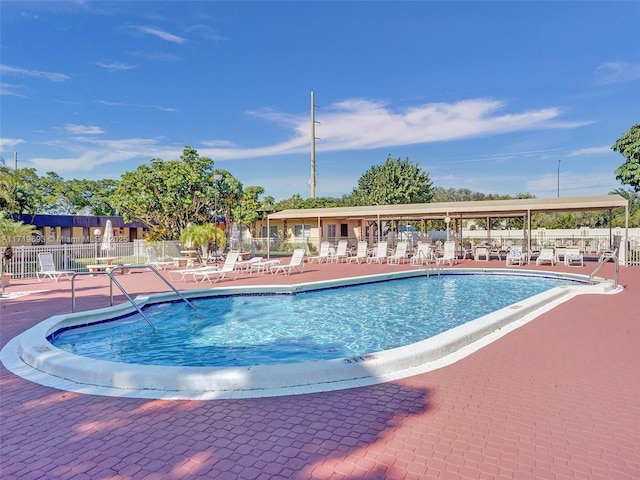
(162, 108)
(9, 142)
(617, 72)
(12, 90)
(366, 124)
(115, 66)
(350, 125)
(169, 37)
(206, 32)
(23, 72)
(589, 151)
(74, 129)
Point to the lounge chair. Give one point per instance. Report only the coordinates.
(341, 252)
(216, 275)
(572, 256)
(448, 254)
(400, 255)
(184, 273)
(323, 253)
(423, 254)
(380, 254)
(547, 255)
(48, 268)
(515, 256)
(245, 265)
(154, 261)
(296, 262)
(361, 253)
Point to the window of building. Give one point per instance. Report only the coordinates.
(344, 230)
(301, 232)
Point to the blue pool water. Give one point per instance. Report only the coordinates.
(317, 325)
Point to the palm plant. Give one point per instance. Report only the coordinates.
(12, 232)
(208, 234)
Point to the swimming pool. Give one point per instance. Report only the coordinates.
(351, 321)
(31, 356)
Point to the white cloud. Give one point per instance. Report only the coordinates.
(74, 129)
(23, 72)
(12, 89)
(169, 37)
(365, 124)
(9, 143)
(590, 151)
(617, 72)
(115, 66)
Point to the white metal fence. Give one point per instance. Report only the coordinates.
(76, 257)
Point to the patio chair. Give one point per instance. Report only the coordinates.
(215, 275)
(48, 268)
(400, 254)
(154, 261)
(380, 254)
(323, 253)
(296, 262)
(341, 251)
(547, 255)
(185, 272)
(423, 254)
(515, 256)
(481, 251)
(361, 253)
(573, 257)
(448, 254)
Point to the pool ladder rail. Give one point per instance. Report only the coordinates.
(428, 257)
(604, 258)
(124, 292)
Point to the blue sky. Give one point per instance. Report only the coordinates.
(489, 96)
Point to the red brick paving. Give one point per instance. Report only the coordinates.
(559, 398)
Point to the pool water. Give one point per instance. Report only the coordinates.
(317, 325)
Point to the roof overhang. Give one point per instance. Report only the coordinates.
(470, 209)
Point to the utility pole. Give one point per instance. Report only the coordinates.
(558, 178)
(312, 180)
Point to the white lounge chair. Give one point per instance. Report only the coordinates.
(154, 261)
(515, 256)
(573, 257)
(185, 272)
(323, 253)
(228, 266)
(296, 262)
(48, 268)
(547, 255)
(400, 254)
(423, 254)
(341, 251)
(448, 254)
(361, 253)
(380, 254)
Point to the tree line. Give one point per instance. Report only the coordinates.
(170, 195)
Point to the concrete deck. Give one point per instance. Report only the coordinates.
(559, 398)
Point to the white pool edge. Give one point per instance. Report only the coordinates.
(32, 357)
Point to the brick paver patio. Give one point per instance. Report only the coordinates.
(556, 399)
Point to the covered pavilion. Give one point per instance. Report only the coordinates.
(458, 211)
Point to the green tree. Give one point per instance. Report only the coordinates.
(169, 195)
(250, 209)
(395, 182)
(629, 147)
(196, 236)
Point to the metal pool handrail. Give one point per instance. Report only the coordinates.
(124, 292)
(604, 258)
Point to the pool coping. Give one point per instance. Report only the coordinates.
(32, 357)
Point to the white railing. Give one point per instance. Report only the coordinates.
(76, 257)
